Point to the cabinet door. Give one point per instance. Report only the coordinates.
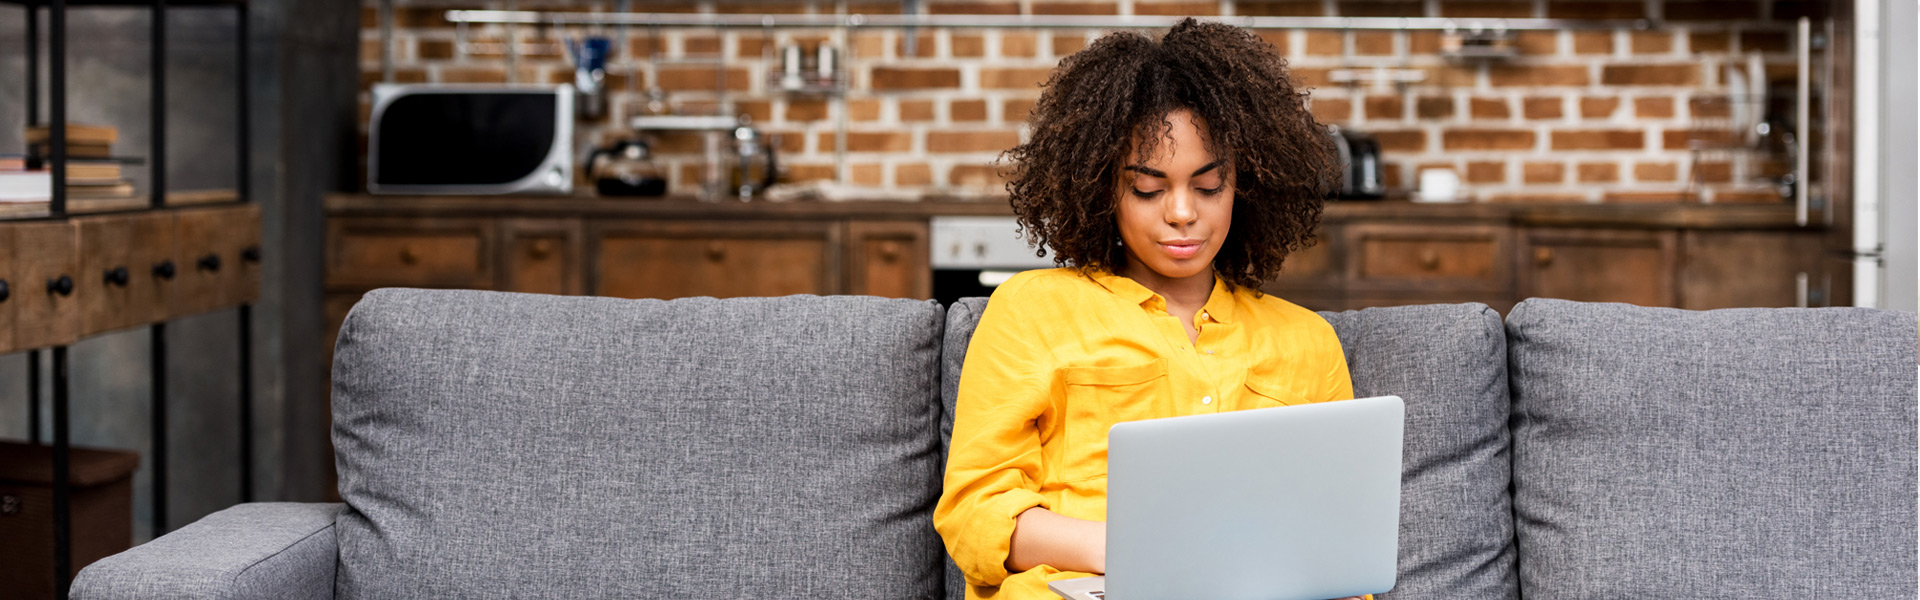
(417, 252)
(723, 259)
(888, 259)
(1592, 265)
(540, 256)
(1401, 257)
(1730, 269)
(45, 259)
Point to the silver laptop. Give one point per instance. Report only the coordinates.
(1290, 502)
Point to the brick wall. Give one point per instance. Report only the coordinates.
(1578, 116)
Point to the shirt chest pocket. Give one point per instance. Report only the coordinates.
(1098, 398)
(1268, 389)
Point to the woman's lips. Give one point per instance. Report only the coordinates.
(1181, 249)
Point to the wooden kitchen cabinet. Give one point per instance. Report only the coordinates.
(1729, 269)
(677, 259)
(1599, 265)
(1425, 258)
(105, 257)
(888, 259)
(46, 311)
(416, 252)
(541, 256)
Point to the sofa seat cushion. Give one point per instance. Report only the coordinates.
(1743, 453)
(496, 445)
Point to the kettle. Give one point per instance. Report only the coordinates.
(1361, 174)
(625, 169)
(754, 167)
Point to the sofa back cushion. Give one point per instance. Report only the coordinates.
(1744, 453)
(1448, 362)
(498, 445)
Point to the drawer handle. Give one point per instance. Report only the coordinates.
(62, 286)
(5, 291)
(117, 276)
(540, 250)
(890, 251)
(250, 254)
(210, 262)
(1543, 256)
(1429, 260)
(408, 257)
(163, 269)
(716, 251)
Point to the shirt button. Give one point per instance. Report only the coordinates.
(1206, 399)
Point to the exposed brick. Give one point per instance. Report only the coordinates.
(912, 174)
(1065, 43)
(1017, 44)
(1599, 139)
(1401, 140)
(1486, 8)
(689, 175)
(875, 141)
(1390, 175)
(1014, 79)
(925, 45)
(678, 142)
(1598, 108)
(1487, 139)
(1713, 172)
(1658, 172)
(1175, 9)
(421, 17)
(700, 45)
(745, 6)
(1542, 108)
(1653, 108)
(1543, 172)
(971, 141)
(975, 176)
(1683, 139)
(873, 7)
(974, 8)
(967, 110)
(1016, 110)
(1593, 42)
(806, 110)
(791, 142)
(369, 17)
(700, 78)
(1567, 9)
(804, 173)
(908, 78)
(1423, 42)
(452, 74)
(1309, 77)
(869, 45)
(1486, 172)
(1452, 76)
(1076, 8)
(1651, 42)
(1489, 108)
(1381, 8)
(1324, 43)
(1384, 108)
(1280, 8)
(760, 111)
(1712, 10)
(1505, 75)
(866, 174)
(1330, 110)
(1277, 39)
(1765, 41)
(1687, 74)
(1433, 107)
(431, 50)
(1709, 107)
(1598, 173)
(864, 109)
(967, 45)
(1373, 43)
(916, 110)
(1537, 43)
(751, 47)
(1700, 42)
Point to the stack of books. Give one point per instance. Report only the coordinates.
(92, 172)
(18, 185)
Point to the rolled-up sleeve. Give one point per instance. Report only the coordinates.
(993, 468)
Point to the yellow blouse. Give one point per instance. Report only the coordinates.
(1059, 357)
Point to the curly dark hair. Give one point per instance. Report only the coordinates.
(1064, 181)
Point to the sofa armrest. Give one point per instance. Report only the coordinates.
(255, 550)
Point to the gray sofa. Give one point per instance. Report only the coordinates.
(497, 445)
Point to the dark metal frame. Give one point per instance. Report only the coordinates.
(57, 120)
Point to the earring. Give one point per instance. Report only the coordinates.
(1119, 243)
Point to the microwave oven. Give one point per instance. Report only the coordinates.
(470, 139)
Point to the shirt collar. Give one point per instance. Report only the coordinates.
(1219, 305)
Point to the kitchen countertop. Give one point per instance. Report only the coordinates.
(1621, 215)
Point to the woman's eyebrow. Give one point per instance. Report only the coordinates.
(1158, 173)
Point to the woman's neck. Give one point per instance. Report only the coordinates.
(1191, 291)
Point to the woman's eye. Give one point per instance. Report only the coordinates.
(1212, 191)
(1143, 194)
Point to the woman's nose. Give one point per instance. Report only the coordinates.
(1180, 207)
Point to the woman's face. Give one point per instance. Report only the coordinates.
(1174, 209)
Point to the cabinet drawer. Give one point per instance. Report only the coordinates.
(211, 271)
(106, 274)
(46, 259)
(1315, 266)
(1631, 266)
(409, 252)
(720, 259)
(1390, 256)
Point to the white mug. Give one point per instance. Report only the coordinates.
(1438, 185)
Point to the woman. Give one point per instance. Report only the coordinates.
(1173, 176)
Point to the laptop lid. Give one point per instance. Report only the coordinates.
(1288, 502)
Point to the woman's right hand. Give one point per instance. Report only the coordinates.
(1044, 537)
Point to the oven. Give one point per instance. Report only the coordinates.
(973, 255)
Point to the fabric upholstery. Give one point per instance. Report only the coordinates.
(499, 445)
(262, 550)
(1744, 453)
(1448, 362)
(962, 316)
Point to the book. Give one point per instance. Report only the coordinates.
(119, 190)
(13, 162)
(92, 171)
(43, 149)
(77, 133)
(26, 186)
